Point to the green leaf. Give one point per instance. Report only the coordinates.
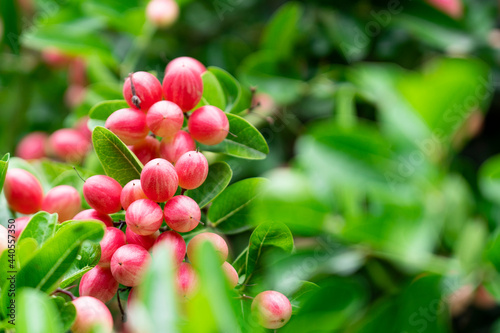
(219, 176)
(88, 257)
(489, 179)
(41, 227)
(36, 313)
(237, 98)
(154, 295)
(117, 160)
(281, 31)
(240, 263)
(4, 165)
(213, 94)
(101, 111)
(244, 142)
(300, 295)
(230, 211)
(67, 311)
(267, 235)
(47, 267)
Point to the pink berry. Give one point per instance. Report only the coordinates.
(4, 235)
(147, 149)
(21, 223)
(129, 125)
(272, 309)
(69, 145)
(77, 72)
(91, 312)
(146, 242)
(98, 283)
(75, 95)
(55, 58)
(159, 180)
(192, 169)
(173, 148)
(231, 274)
(453, 8)
(144, 217)
(129, 264)
(113, 239)
(103, 194)
(187, 280)
(147, 88)
(131, 192)
(162, 13)
(165, 118)
(32, 146)
(189, 62)
(183, 86)
(23, 191)
(174, 242)
(63, 200)
(217, 241)
(182, 213)
(92, 214)
(208, 125)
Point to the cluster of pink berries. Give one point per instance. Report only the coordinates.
(67, 144)
(161, 108)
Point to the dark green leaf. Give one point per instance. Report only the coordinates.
(244, 142)
(267, 235)
(116, 159)
(489, 179)
(230, 211)
(88, 257)
(237, 98)
(219, 176)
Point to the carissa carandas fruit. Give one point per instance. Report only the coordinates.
(63, 200)
(23, 191)
(272, 309)
(174, 242)
(183, 86)
(98, 283)
(173, 148)
(90, 314)
(192, 169)
(182, 213)
(217, 241)
(103, 194)
(165, 119)
(208, 125)
(145, 87)
(129, 125)
(159, 180)
(113, 239)
(144, 217)
(129, 264)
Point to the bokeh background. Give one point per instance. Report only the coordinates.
(382, 120)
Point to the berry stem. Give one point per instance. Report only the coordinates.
(135, 99)
(183, 190)
(65, 292)
(79, 176)
(124, 315)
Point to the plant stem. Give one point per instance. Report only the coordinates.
(65, 292)
(124, 315)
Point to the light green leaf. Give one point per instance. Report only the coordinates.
(41, 227)
(67, 311)
(4, 164)
(36, 313)
(116, 159)
(213, 94)
(237, 98)
(244, 142)
(219, 176)
(230, 211)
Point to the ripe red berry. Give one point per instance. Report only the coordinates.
(189, 62)
(272, 309)
(32, 146)
(69, 145)
(82, 127)
(173, 148)
(192, 169)
(182, 213)
(165, 118)
(131, 192)
(187, 280)
(174, 242)
(144, 217)
(129, 125)
(145, 241)
(147, 149)
(129, 264)
(162, 13)
(159, 180)
(231, 274)
(147, 89)
(98, 283)
(103, 194)
(217, 241)
(91, 312)
(113, 239)
(92, 214)
(183, 86)
(63, 200)
(208, 125)
(21, 223)
(23, 191)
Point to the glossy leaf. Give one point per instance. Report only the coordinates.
(116, 159)
(244, 142)
(230, 211)
(36, 313)
(213, 93)
(219, 176)
(237, 98)
(41, 227)
(67, 311)
(4, 165)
